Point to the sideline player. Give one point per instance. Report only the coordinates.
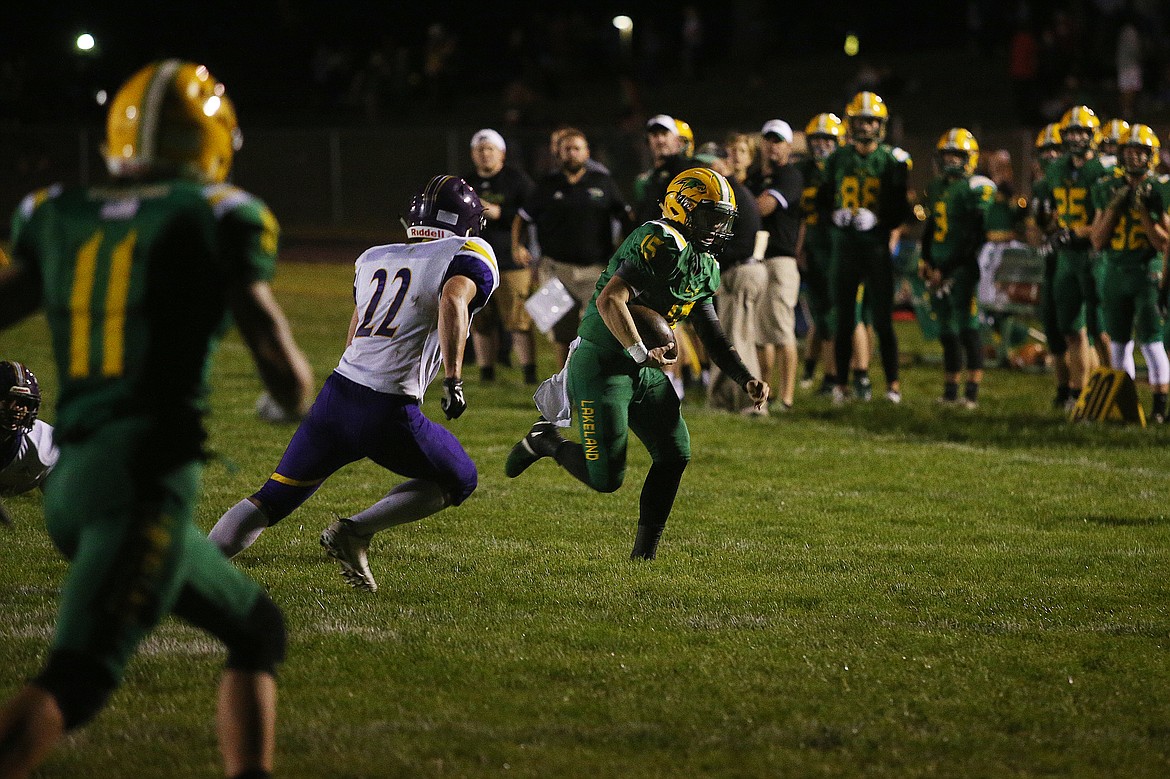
(137, 278)
(27, 451)
(614, 384)
(1130, 230)
(864, 195)
(957, 203)
(415, 302)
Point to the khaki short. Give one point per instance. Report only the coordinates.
(776, 322)
(506, 306)
(581, 283)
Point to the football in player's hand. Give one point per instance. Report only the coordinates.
(653, 329)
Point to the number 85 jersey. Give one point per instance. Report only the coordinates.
(395, 346)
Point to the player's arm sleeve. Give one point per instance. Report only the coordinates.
(719, 349)
(825, 196)
(477, 262)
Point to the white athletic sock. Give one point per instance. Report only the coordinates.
(1121, 357)
(1157, 364)
(238, 528)
(410, 501)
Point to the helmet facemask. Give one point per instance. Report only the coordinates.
(711, 224)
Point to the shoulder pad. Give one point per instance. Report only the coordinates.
(226, 197)
(33, 200)
(670, 231)
(479, 247)
(978, 182)
(901, 155)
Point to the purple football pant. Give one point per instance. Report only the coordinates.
(349, 421)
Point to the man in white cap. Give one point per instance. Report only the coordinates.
(503, 189)
(668, 157)
(777, 184)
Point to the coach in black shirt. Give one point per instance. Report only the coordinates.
(502, 189)
(777, 184)
(573, 210)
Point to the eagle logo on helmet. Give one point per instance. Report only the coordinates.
(703, 203)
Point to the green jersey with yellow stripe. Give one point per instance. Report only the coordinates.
(667, 272)
(134, 281)
(956, 226)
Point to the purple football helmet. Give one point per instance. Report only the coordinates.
(446, 207)
(20, 397)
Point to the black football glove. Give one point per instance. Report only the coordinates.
(1061, 238)
(453, 403)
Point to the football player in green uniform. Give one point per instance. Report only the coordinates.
(1042, 221)
(824, 133)
(137, 278)
(612, 383)
(1068, 181)
(1112, 134)
(957, 203)
(864, 197)
(1130, 230)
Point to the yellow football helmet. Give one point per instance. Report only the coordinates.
(824, 132)
(1111, 134)
(172, 118)
(867, 105)
(686, 137)
(958, 140)
(703, 202)
(1081, 129)
(1143, 137)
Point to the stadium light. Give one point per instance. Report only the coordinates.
(624, 24)
(852, 45)
(85, 42)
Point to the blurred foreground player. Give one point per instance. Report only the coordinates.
(137, 278)
(415, 302)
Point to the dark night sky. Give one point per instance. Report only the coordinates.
(263, 48)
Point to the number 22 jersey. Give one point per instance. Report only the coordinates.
(395, 348)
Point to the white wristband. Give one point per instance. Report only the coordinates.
(638, 352)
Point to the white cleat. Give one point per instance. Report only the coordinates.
(351, 550)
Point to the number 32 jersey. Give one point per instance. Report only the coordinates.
(395, 348)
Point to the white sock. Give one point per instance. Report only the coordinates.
(410, 501)
(1157, 364)
(238, 528)
(1121, 357)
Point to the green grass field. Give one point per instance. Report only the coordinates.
(870, 591)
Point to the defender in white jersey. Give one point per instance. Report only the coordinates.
(414, 304)
(27, 451)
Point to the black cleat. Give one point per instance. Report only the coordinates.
(542, 441)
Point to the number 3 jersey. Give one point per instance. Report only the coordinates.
(395, 348)
(135, 279)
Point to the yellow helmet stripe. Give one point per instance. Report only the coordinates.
(151, 108)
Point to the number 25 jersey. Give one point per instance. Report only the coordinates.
(395, 348)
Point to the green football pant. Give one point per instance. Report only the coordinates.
(132, 547)
(610, 396)
(1130, 297)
